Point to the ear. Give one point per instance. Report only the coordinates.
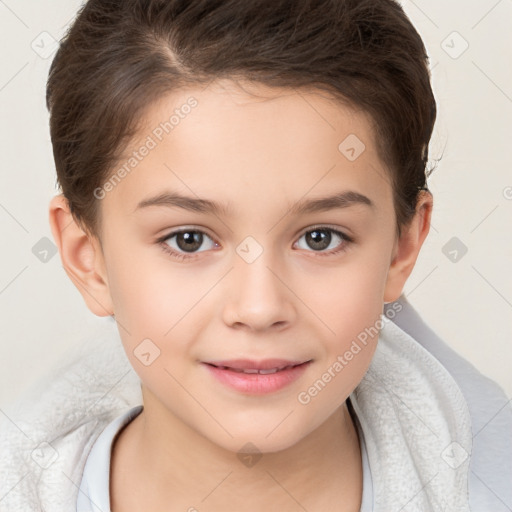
(408, 246)
(81, 256)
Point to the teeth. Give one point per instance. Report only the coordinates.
(268, 371)
(255, 370)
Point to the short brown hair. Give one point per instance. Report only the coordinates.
(121, 55)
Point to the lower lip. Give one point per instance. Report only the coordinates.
(256, 383)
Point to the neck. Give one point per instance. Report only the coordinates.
(187, 470)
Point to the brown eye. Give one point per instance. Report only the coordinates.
(187, 241)
(319, 239)
(324, 240)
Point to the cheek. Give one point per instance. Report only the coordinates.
(157, 301)
(148, 293)
(349, 302)
(347, 298)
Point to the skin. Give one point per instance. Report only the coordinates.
(260, 150)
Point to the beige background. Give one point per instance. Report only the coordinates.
(467, 302)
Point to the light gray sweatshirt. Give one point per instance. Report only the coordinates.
(437, 434)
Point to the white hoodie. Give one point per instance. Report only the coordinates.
(437, 434)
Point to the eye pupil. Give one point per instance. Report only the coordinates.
(319, 238)
(189, 240)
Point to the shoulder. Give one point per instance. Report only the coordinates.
(490, 410)
(48, 433)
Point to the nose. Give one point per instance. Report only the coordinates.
(258, 296)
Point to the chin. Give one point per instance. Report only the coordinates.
(258, 438)
(256, 444)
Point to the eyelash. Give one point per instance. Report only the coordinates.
(346, 241)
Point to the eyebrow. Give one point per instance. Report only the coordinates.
(343, 199)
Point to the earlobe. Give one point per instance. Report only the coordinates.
(81, 257)
(408, 247)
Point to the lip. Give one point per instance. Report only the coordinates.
(264, 364)
(256, 377)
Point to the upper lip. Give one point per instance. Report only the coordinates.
(249, 364)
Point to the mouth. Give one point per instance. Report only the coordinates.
(264, 367)
(257, 377)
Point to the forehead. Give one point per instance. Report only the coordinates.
(225, 138)
(224, 106)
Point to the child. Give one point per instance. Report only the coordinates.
(244, 192)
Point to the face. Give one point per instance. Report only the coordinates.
(219, 257)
